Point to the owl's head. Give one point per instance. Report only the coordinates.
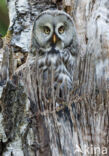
(53, 29)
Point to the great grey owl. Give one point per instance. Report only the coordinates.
(54, 42)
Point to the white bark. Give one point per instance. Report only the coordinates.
(25, 129)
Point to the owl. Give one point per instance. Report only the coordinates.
(54, 43)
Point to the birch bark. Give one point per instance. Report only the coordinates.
(81, 124)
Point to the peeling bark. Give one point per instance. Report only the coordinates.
(32, 124)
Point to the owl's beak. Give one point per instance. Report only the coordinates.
(54, 38)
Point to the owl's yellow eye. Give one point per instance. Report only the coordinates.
(46, 30)
(61, 30)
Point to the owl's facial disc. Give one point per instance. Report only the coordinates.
(43, 31)
(52, 22)
(64, 30)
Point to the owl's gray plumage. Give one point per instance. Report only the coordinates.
(54, 42)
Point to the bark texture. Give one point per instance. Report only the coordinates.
(32, 125)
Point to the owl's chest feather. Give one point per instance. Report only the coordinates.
(54, 65)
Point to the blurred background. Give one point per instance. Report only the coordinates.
(4, 21)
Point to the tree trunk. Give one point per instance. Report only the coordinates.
(30, 124)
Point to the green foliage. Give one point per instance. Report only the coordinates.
(4, 21)
(3, 28)
(3, 4)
